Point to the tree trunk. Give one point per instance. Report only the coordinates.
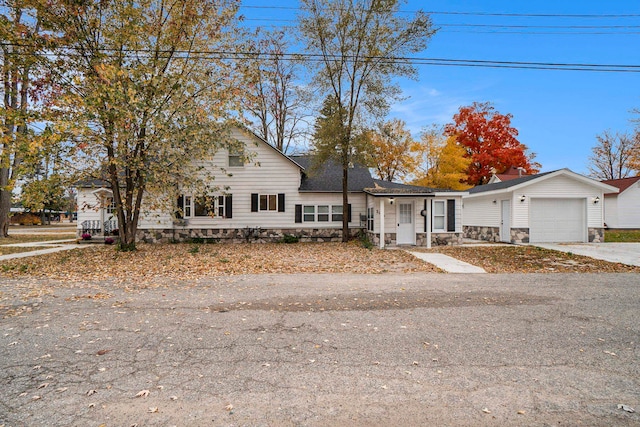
(5, 210)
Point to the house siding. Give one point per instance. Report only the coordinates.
(557, 187)
(482, 212)
(623, 210)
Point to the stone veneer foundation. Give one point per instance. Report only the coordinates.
(489, 234)
(437, 239)
(242, 235)
(596, 235)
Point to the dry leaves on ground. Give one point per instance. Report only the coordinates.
(531, 259)
(180, 262)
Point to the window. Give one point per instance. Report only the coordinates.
(370, 219)
(438, 215)
(268, 202)
(236, 155)
(309, 213)
(336, 213)
(199, 207)
(111, 205)
(323, 213)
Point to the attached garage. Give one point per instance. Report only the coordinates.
(558, 206)
(558, 220)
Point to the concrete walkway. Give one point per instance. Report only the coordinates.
(41, 248)
(625, 253)
(447, 263)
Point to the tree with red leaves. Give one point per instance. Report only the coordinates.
(490, 142)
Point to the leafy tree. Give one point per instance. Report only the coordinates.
(274, 97)
(615, 156)
(20, 59)
(141, 95)
(358, 44)
(393, 152)
(448, 164)
(490, 141)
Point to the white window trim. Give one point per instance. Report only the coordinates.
(267, 196)
(235, 153)
(189, 209)
(315, 214)
(444, 216)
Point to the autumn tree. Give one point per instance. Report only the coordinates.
(21, 58)
(144, 93)
(277, 103)
(393, 153)
(448, 164)
(615, 156)
(358, 45)
(490, 142)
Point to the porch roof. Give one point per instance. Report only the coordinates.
(386, 189)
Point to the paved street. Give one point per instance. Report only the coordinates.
(414, 349)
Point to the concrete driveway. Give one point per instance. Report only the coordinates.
(625, 253)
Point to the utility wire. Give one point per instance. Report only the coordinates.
(257, 56)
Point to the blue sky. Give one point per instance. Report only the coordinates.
(557, 113)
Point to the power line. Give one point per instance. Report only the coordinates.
(255, 56)
(526, 15)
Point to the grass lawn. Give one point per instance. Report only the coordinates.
(6, 250)
(622, 236)
(153, 264)
(531, 259)
(28, 238)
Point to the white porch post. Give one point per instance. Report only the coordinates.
(428, 230)
(381, 222)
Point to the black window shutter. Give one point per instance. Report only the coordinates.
(228, 206)
(451, 215)
(180, 210)
(349, 212)
(254, 202)
(281, 202)
(425, 216)
(298, 213)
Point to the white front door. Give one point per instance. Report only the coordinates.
(505, 221)
(405, 232)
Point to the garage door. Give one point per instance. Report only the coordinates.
(557, 220)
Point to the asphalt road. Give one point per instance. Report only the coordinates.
(315, 350)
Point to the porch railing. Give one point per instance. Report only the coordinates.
(94, 227)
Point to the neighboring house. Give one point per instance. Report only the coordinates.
(622, 210)
(272, 195)
(558, 206)
(511, 173)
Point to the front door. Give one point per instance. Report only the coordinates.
(405, 233)
(505, 221)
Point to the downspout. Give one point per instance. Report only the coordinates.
(428, 230)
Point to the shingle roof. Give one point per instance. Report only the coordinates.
(623, 183)
(328, 176)
(92, 183)
(505, 184)
(386, 187)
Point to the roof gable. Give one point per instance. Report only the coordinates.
(623, 183)
(328, 176)
(525, 181)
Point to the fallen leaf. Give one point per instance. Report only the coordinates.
(626, 408)
(61, 389)
(43, 385)
(36, 398)
(486, 410)
(102, 352)
(229, 407)
(143, 393)
(173, 398)
(522, 412)
(153, 410)
(91, 392)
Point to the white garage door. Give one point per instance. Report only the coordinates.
(557, 220)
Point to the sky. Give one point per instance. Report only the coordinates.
(558, 113)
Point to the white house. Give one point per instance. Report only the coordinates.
(272, 195)
(558, 206)
(622, 210)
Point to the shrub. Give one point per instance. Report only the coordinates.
(86, 236)
(115, 232)
(289, 238)
(109, 241)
